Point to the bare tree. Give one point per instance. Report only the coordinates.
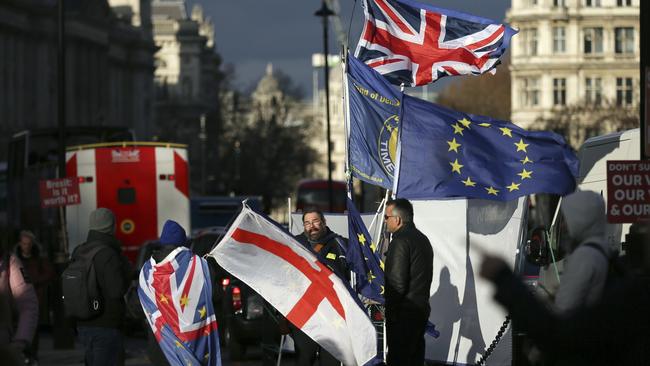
(583, 120)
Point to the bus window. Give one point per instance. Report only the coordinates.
(314, 194)
(126, 196)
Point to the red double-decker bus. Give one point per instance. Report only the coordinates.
(314, 194)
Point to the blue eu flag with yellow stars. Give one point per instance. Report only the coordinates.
(445, 153)
(363, 258)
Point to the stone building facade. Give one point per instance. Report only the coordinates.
(109, 68)
(574, 55)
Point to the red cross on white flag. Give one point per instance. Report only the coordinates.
(292, 280)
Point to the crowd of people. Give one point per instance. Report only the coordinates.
(596, 317)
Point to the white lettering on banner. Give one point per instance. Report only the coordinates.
(628, 191)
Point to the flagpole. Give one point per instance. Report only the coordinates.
(346, 117)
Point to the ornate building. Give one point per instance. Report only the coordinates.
(187, 78)
(109, 64)
(576, 57)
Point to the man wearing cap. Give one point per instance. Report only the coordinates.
(102, 336)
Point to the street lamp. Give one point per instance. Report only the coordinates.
(325, 12)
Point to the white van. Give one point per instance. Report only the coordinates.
(593, 156)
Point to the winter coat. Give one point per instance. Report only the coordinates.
(586, 268)
(409, 272)
(113, 275)
(16, 295)
(332, 254)
(40, 272)
(613, 331)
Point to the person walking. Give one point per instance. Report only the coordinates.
(102, 335)
(17, 295)
(41, 273)
(586, 267)
(330, 249)
(409, 272)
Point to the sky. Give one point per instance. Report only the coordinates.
(252, 33)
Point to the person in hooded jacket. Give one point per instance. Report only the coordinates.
(330, 249)
(102, 336)
(586, 267)
(172, 236)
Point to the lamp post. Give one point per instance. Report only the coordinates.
(325, 12)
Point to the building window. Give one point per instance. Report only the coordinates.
(559, 91)
(593, 90)
(187, 87)
(530, 93)
(593, 40)
(529, 41)
(624, 91)
(592, 3)
(624, 2)
(559, 40)
(559, 3)
(624, 40)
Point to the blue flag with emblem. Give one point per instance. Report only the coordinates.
(445, 153)
(374, 108)
(363, 258)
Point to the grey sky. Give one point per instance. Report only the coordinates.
(251, 33)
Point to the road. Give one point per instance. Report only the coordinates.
(136, 354)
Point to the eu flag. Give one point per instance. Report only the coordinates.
(445, 153)
(363, 259)
(374, 108)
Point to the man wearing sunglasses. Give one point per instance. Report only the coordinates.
(330, 248)
(409, 272)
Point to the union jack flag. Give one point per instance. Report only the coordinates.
(176, 296)
(415, 44)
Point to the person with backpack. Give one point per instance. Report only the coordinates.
(587, 265)
(94, 285)
(17, 295)
(40, 271)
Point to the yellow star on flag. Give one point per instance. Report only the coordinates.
(163, 298)
(371, 276)
(521, 146)
(373, 247)
(207, 356)
(506, 131)
(526, 160)
(382, 290)
(491, 190)
(468, 182)
(184, 300)
(381, 264)
(362, 239)
(178, 344)
(525, 174)
(484, 124)
(457, 129)
(455, 166)
(465, 122)
(513, 187)
(202, 312)
(453, 145)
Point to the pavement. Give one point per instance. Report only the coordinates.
(135, 353)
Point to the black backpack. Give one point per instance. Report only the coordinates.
(82, 299)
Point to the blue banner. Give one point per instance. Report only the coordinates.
(374, 125)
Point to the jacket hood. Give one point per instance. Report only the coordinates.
(584, 213)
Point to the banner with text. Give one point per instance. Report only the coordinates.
(628, 191)
(59, 192)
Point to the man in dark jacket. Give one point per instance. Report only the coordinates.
(102, 336)
(330, 249)
(409, 272)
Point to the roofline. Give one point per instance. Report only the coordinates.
(125, 144)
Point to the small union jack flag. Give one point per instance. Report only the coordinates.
(415, 44)
(176, 296)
